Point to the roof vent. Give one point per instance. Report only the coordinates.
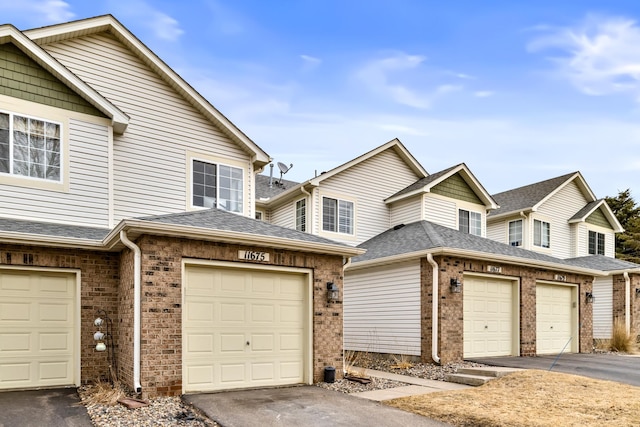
(398, 227)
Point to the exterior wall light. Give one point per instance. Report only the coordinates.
(333, 293)
(455, 286)
(637, 292)
(588, 297)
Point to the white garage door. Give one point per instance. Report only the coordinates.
(243, 328)
(554, 319)
(37, 328)
(489, 317)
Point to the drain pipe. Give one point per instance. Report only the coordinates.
(627, 302)
(137, 270)
(305, 192)
(434, 313)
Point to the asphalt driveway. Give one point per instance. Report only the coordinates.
(613, 367)
(37, 408)
(308, 406)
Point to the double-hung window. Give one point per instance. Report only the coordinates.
(470, 222)
(30, 147)
(541, 234)
(596, 243)
(337, 215)
(217, 186)
(301, 215)
(515, 232)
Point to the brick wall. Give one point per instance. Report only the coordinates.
(99, 283)
(161, 350)
(619, 301)
(451, 326)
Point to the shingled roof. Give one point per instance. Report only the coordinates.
(423, 182)
(55, 230)
(604, 263)
(278, 186)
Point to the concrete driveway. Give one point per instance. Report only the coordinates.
(37, 408)
(308, 406)
(613, 367)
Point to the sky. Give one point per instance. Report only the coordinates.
(519, 91)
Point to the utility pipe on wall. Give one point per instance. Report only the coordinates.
(627, 302)
(137, 270)
(434, 312)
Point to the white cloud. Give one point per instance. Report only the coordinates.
(163, 26)
(40, 12)
(483, 93)
(599, 57)
(310, 62)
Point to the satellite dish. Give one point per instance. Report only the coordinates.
(283, 169)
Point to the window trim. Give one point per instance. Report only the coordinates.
(541, 240)
(191, 156)
(468, 225)
(302, 224)
(596, 243)
(337, 215)
(519, 243)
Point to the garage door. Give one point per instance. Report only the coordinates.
(489, 317)
(243, 328)
(37, 328)
(554, 319)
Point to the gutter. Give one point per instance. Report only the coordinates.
(627, 302)
(137, 271)
(434, 306)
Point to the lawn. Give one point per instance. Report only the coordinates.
(532, 398)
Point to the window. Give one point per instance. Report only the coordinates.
(337, 215)
(470, 222)
(259, 215)
(30, 147)
(541, 234)
(596, 243)
(218, 186)
(301, 215)
(515, 233)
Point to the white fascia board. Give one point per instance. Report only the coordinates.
(617, 227)
(119, 120)
(50, 241)
(491, 218)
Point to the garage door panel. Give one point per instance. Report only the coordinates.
(255, 328)
(554, 319)
(37, 329)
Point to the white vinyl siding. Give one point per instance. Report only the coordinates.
(441, 211)
(87, 201)
(406, 211)
(284, 215)
(163, 127)
(557, 211)
(382, 309)
(367, 184)
(581, 244)
(602, 307)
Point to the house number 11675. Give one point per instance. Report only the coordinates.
(253, 256)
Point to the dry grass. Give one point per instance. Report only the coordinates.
(532, 398)
(102, 393)
(351, 362)
(620, 340)
(402, 362)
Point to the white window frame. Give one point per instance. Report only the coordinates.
(241, 202)
(301, 214)
(599, 244)
(540, 236)
(62, 150)
(259, 215)
(343, 209)
(512, 238)
(473, 224)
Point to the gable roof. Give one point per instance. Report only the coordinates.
(424, 185)
(55, 33)
(417, 239)
(529, 197)
(10, 34)
(591, 207)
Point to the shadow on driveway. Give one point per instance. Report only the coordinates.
(37, 408)
(612, 367)
(308, 406)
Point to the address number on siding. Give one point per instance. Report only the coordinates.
(254, 256)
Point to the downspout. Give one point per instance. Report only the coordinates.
(627, 302)
(137, 271)
(434, 307)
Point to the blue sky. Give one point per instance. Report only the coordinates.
(519, 91)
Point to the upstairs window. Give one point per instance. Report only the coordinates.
(596, 243)
(541, 234)
(217, 186)
(30, 147)
(337, 215)
(515, 232)
(301, 215)
(470, 222)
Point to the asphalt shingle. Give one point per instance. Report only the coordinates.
(49, 229)
(264, 191)
(423, 182)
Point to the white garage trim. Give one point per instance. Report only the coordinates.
(494, 329)
(305, 276)
(552, 316)
(75, 275)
